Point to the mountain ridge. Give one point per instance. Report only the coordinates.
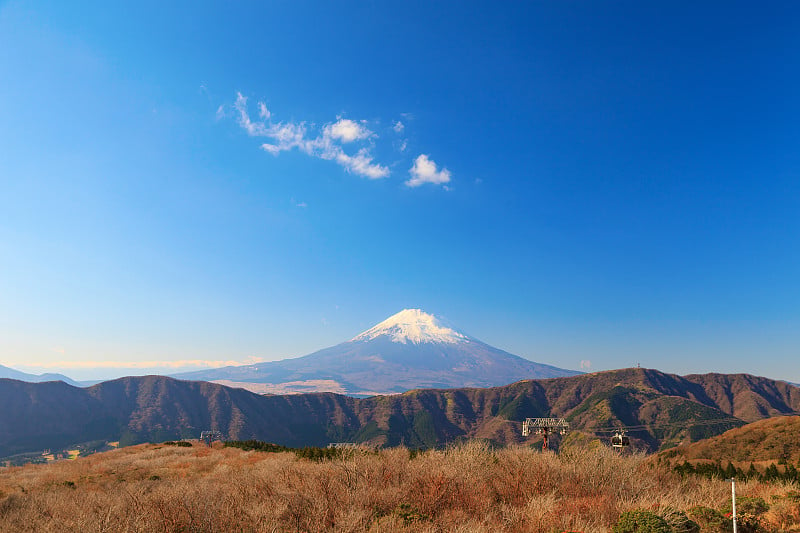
(670, 409)
(11, 373)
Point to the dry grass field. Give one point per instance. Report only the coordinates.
(156, 488)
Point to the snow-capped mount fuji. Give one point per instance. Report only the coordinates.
(409, 350)
(413, 326)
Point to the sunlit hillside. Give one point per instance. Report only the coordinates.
(769, 449)
(468, 488)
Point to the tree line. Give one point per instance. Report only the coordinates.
(717, 471)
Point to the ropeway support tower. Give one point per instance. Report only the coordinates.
(210, 436)
(545, 427)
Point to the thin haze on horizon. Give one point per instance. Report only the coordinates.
(590, 186)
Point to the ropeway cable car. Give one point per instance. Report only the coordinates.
(620, 440)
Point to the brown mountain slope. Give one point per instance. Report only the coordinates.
(661, 410)
(155, 408)
(768, 440)
(748, 397)
(672, 408)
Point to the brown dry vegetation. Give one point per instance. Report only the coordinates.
(763, 442)
(467, 488)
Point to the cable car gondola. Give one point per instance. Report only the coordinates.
(620, 440)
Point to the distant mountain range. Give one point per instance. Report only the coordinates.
(411, 349)
(10, 373)
(664, 409)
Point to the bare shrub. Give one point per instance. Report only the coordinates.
(466, 488)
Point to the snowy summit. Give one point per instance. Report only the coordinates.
(414, 326)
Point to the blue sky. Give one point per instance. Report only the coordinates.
(607, 182)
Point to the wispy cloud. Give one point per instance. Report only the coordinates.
(254, 129)
(586, 365)
(326, 144)
(425, 170)
(400, 144)
(149, 364)
(361, 164)
(286, 137)
(349, 143)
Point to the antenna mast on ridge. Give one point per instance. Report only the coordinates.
(545, 427)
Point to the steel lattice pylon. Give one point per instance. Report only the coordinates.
(545, 427)
(210, 436)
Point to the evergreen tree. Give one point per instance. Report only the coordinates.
(772, 473)
(752, 473)
(791, 474)
(730, 471)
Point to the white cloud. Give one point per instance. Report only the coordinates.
(221, 113)
(426, 171)
(586, 364)
(285, 136)
(362, 164)
(328, 142)
(346, 131)
(254, 129)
